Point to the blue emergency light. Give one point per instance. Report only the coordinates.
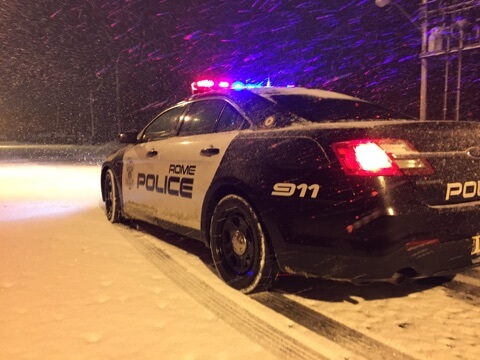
(209, 85)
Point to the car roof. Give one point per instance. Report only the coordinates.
(324, 94)
(269, 92)
(259, 103)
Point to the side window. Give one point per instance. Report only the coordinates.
(201, 117)
(230, 120)
(163, 125)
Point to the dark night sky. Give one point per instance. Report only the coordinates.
(55, 54)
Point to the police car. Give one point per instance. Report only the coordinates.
(303, 181)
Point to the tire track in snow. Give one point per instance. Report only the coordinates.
(325, 326)
(474, 273)
(262, 333)
(468, 280)
(277, 341)
(464, 288)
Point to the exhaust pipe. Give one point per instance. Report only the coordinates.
(397, 278)
(402, 276)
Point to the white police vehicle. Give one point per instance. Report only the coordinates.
(305, 182)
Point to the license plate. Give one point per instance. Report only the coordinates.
(476, 245)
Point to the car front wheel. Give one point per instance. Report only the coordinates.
(112, 198)
(240, 249)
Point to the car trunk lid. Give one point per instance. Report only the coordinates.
(451, 149)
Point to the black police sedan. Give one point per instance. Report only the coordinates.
(303, 181)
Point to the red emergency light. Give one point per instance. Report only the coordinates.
(208, 85)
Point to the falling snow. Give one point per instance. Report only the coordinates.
(85, 69)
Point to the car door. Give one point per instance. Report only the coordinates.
(141, 181)
(188, 162)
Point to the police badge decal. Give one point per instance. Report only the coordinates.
(129, 179)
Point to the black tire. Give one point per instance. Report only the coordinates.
(113, 207)
(240, 249)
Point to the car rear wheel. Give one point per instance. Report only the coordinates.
(112, 198)
(240, 249)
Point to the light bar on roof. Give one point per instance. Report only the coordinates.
(208, 85)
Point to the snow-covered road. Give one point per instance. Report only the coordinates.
(73, 286)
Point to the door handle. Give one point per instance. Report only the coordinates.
(210, 151)
(152, 153)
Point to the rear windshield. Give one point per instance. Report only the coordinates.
(317, 109)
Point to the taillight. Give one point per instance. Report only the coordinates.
(380, 157)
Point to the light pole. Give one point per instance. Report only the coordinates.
(117, 94)
(92, 118)
(461, 34)
(423, 63)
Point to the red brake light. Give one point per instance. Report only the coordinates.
(380, 157)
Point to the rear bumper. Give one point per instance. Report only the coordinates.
(423, 261)
(370, 238)
(423, 244)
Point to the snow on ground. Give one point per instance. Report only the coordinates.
(426, 324)
(73, 286)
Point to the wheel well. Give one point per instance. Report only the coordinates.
(102, 181)
(118, 184)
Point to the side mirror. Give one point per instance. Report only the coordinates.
(129, 137)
